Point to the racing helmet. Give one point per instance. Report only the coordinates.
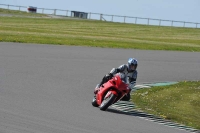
(132, 64)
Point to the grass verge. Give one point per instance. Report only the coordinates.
(179, 103)
(98, 34)
(20, 13)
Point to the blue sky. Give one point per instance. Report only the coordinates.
(180, 10)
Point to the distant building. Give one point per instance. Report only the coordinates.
(78, 14)
(31, 9)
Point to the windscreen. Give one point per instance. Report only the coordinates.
(122, 76)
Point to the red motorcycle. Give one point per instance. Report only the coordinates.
(110, 92)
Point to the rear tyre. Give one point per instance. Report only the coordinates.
(107, 102)
(94, 102)
(126, 97)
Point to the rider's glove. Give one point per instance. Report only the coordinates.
(109, 76)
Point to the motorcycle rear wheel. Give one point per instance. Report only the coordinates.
(107, 102)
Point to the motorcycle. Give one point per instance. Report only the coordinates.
(111, 92)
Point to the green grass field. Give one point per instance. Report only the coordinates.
(20, 13)
(179, 102)
(98, 34)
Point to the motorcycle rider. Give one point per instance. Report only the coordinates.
(130, 72)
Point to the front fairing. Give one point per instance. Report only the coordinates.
(120, 85)
(116, 84)
(102, 91)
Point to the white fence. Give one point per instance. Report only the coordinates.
(110, 18)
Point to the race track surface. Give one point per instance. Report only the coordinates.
(48, 88)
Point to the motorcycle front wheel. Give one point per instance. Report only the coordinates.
(94, 102)
(107, 102)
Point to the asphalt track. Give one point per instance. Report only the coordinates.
(48, 88)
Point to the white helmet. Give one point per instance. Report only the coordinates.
(132, 64)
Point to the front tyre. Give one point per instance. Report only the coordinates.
(107, 102)
(94, 102)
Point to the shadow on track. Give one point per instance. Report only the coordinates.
(132, 113)
(154, 119)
